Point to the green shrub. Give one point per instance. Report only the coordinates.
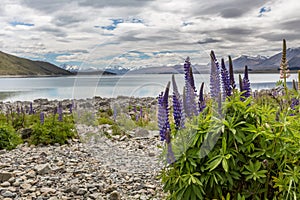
(251, 151)
(9, 139)
(85, 117)
(105, 120)
(53, 131)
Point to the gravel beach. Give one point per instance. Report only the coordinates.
(92, 167)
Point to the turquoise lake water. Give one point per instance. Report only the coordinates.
(82, 87)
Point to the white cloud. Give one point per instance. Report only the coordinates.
(228, 27)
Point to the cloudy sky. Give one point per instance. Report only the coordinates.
(134, 33)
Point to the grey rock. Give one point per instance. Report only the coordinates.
(43, 169)
(5, 184)
(96, 196)
(115, 195)
(47, 190)
(3, 151)
(8, 194)
(81, 191)
(141, 133)
(5, 176)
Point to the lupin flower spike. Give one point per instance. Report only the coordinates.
(225, 80)
(163, 113)
(215, 87)
(177, 106)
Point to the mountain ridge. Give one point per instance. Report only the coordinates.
(11, 65)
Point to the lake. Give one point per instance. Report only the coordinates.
(82, 87)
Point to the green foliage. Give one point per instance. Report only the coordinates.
(9, 139)
(251, 151)
(85, 117)
(104, 120)
(53, 131)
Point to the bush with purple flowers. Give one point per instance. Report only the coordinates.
(35, 127)
(247, 148)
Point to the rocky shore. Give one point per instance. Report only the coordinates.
(92, 167)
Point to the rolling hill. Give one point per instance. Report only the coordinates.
(11, 65)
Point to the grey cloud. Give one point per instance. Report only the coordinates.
(232, 12)
(233, 34)
(63, 41)
(208, 40)
(46, 6)
(156, 36)
(66, 20)
(275, 37)
(290, 25)
(55, 31)
(114, 3)
(220, 7)
(236, 31)
(79, 51)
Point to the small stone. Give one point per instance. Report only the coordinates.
(5, 184)
(5, 176)
(143, 197)
(96, 196)
(31, 174)
(3, 151)
(74, 189)
(8, 194)
(16, 184)
(43, 169)
(81, 191)
(60, 163)
(25, 186)
(151, 154)
(123, 138)
(12, 189)
(115, 195)
(141, 133)
(47, 190)
(12, 180)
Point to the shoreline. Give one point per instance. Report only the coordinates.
(87, 74)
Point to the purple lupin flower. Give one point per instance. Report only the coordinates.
(246, 84)
(18, 110)
(60, 112)
(163, 113)
(190, 103)
(294, 103)
(31, 112)
(141, 112)
(42, 117)
(71, 106)
(231, 74)
(201, 102)
(177, 106)
(225, 80)
(135, 112)
(115, 113)
(215, 84)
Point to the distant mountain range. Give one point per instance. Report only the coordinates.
(269, 64)
(15, 66)
(255, 64)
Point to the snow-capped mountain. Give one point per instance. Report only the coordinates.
(70, 68)
(116, 70)
(263, 63)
